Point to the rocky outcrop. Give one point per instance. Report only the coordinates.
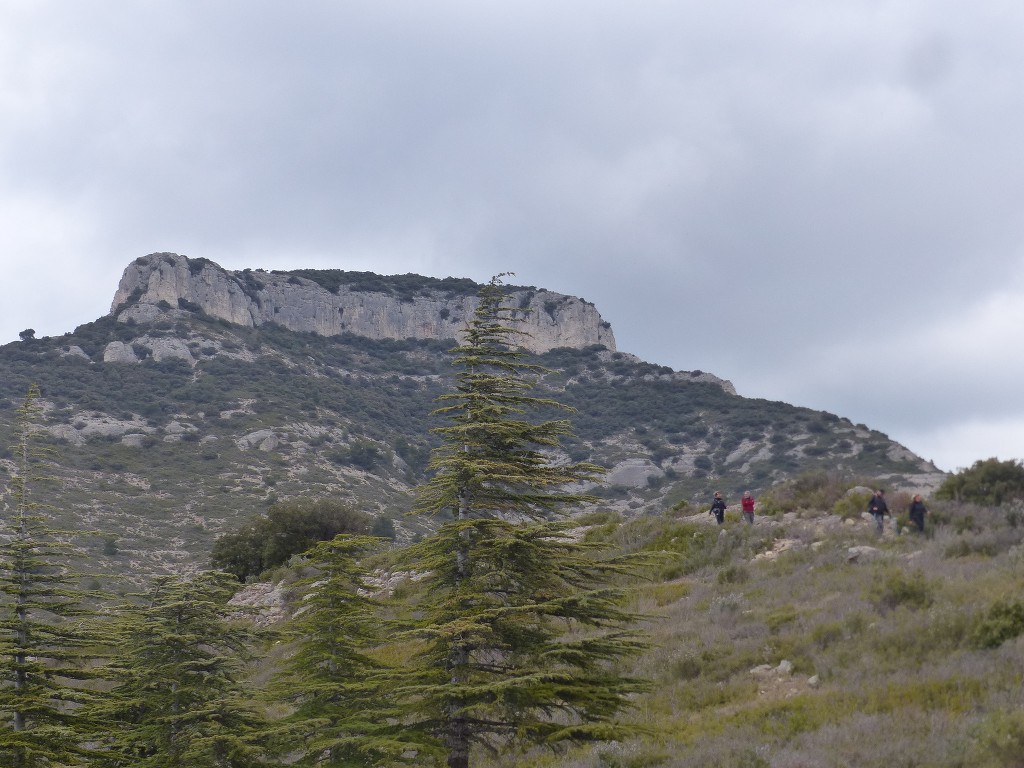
(334, 304)
(159, 349)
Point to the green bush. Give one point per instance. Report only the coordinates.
(1004, 621)
(851, 505)
(894, 588)
(817, 489)
(1000, 739)
(780, 617)
(288, 528)
(827, 634)
(990, 482)
(384, 527)
(733, 574)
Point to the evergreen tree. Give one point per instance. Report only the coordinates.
(182, 700)
(343, 714)
(48, 628)
(521, 628)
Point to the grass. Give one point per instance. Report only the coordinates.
(913, 659)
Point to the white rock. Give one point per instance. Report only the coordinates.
(74, 351)
(168, 348)
(633, 473)
(259, 438)
(119, 352)
(252, 298)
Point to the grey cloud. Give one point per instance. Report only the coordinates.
(736, 186)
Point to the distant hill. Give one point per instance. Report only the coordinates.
(174, 422)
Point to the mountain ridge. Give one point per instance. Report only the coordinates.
(332, 302)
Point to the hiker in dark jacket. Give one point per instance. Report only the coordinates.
(917, 512)
(718, 508)
(879, 509)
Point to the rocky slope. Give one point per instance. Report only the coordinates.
(173, 424)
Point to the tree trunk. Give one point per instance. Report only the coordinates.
(456, 729)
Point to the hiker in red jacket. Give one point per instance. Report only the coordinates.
(748, 507)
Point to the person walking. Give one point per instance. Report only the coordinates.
(718, 508)
(879, 509)
(748, 507)
(917, 512)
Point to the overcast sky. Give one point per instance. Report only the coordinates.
(821, 202)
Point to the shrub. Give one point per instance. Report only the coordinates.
(1001, 738)
(851, 505)
(1004, 621)
(383, 527)
(780, 617)
(990, 482)
(733, 574)
(897, 588)
(816, 490)
(986, 546)
(825, 635)
(668, 592)
(362, 454)
(288, 529)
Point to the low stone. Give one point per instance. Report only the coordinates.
(258, 438)
(74, 351)
(862, 554)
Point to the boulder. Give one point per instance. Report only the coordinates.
(119, 352)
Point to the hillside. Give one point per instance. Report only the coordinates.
(807, 640)
(173, 425)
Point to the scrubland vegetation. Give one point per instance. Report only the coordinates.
(517, 629)
(910, 655)
(905, 649)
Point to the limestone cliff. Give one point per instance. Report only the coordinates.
(331, 302)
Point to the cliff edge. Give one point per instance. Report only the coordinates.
(331, 302)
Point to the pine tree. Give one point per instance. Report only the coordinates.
(521, 626)
(49, 629)
(182, 700)
(343, 713)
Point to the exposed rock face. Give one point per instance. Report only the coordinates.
(119, 352)
(164, 281)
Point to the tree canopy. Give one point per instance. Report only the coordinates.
(989, 481)
(288, 528)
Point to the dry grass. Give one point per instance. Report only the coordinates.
(886, 666)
